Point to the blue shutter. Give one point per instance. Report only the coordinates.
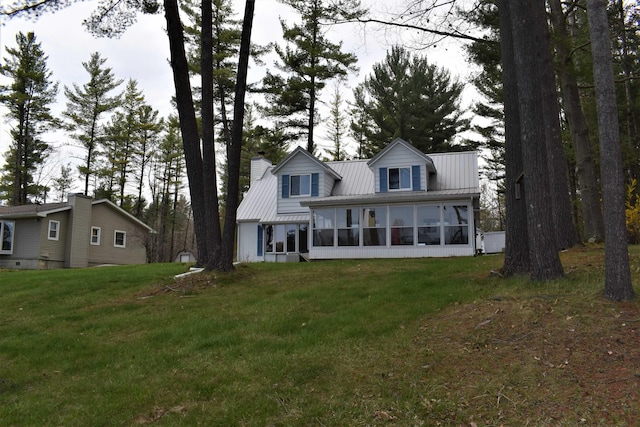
(315, 184)
(285, 186)
(260, 240)
(415, 177)
(384, 186)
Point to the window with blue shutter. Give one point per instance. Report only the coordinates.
(384, 187)
(260, 240)
(415, 177)
(315, 184)
(285, 186)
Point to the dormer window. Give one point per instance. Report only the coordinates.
(399, 178)
(405, 178)
(300, 185)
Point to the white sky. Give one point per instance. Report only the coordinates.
(142, 54)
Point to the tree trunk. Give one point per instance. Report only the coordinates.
(209, 185)
(617, 274)
(565, 232)
(235, 149)
(188, 125)
(527, 39)
(516, 259)
(585, 165)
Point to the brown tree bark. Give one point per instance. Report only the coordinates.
(235, 148)
(585, 165)
(565, 232)
(516, 259)
(527, 39)
(188, 125)
(617, 273)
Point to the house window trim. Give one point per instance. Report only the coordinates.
(115, 239)
(3, 225)
(56, 230)
(99, 235)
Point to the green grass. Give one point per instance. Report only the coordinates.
(326, 343)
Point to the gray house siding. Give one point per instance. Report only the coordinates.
(25, 250)
(52, 252)
(109, 221)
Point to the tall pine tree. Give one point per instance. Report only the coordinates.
(86, 106)
(27, 99)
(308, 60)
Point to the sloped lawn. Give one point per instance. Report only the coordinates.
(377, 342)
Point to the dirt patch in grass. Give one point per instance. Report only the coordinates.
(533, 360)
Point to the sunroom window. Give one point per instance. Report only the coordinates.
(374, 227)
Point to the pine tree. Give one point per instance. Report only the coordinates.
(413, 100)
(337, 125)
(86, 106)
(308, 61)
(27, 99)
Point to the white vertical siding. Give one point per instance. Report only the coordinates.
(248, 243)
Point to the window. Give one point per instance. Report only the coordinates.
(282, 238)
(6, 234)
(399, 178)
(374, 226)
(456, 224)
(401, 221)
(54, 230)
(428, 225)
(303, 239)
(348, 227)
(323, 226)
(300, 185)
(291, 238)
(120, 239)
(278, 238)
(95, 235)
(268, 238)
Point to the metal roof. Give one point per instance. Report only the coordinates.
(457, 177)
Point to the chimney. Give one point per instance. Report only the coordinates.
(78, 232)
(259, 166)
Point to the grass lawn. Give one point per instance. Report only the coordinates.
(342, 343)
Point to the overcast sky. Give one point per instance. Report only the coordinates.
(142, 53)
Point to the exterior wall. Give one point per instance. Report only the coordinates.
(399, 156)
(78, 232)
(53, 251)
(26, 248)
(301, 165)
(494, 242)
(109, 221)
(390, 252)
(400, 251)
(248, 243)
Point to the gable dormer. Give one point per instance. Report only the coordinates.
(302, 176)
(400, 167)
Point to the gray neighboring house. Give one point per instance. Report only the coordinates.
(79, 233)
(402, 203)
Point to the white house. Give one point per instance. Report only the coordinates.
(401, 203)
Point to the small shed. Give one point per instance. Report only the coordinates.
(494, 242)
(185, 256)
